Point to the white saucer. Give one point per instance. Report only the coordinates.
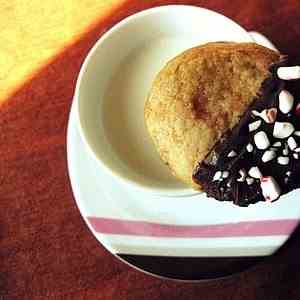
(128, 222)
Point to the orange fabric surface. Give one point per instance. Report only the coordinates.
(46, 250)
(34, 32)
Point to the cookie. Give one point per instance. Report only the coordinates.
(200, 95)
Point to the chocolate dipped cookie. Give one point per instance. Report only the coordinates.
(222, 120)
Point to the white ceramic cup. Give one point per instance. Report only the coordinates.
(114, 81)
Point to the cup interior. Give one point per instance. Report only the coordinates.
(116, 77)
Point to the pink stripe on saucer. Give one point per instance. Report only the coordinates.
(240, 229)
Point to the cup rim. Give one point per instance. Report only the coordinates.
(180, 192)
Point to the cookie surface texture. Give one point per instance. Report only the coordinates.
(198, 96)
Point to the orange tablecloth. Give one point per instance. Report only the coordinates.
(46, 251)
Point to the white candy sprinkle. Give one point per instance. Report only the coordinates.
(228, 184)
(268, 115)
(270, 188)
(249, 148)
(261, 140)
(243, 174)
(232, 154)
(225, 174)
(283, 160)
(286, 101)
(268, 155)
(277, 144)
(297, 133)
(288, 173)
(285, 151)
(282, 130)
(292, 143)
(253, 126)
(249, 180)
(297, 149)
(217, 176)
(255, 113)
(289, 73)
(255, 172)
(296, 155)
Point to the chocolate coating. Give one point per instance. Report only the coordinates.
(242, 193)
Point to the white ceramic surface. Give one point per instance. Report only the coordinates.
(114, 81)
(129, 222)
